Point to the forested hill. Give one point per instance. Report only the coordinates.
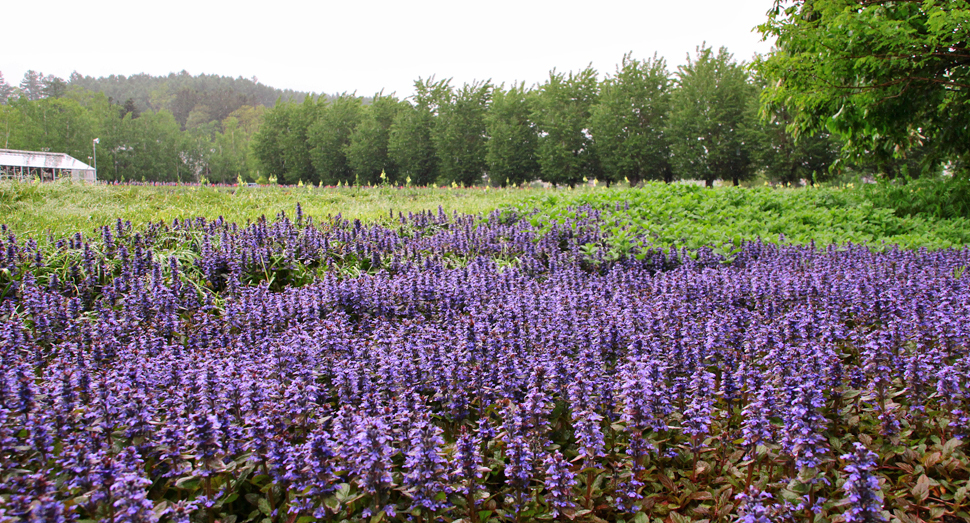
(211, 97)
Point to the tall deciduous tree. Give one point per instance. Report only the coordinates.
(231, 158)
(367, 150)
(512, 137)
(459, 134)
(281, 145)
(329, 137)
(151, 149)
(887, 76)
(296, 146)
(410, 145)
(53, 124)
(629, 123)
(788, 158)
(711, 120)
(562, 112)
(268, 143)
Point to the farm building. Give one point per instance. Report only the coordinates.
(25, 165)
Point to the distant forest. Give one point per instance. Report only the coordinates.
(177, 127)
(211, 97)
(642, 122)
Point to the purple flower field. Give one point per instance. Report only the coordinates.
(480, 369)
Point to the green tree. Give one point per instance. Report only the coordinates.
(281, 146)
(459, 134)
(886, 76)
(52, 124)
(5, 90)
(198, 146)
(107, 120)
(512, 137)
(231, 158)
(296, 144)
(711, 121)
(785, 157)
(562, 112)
(182, 104)
(9, 121)
(629, 123)
(367, 150)
(267, 142)
(53, 87)
(151, 149)
(410, 145)
(329, 137)
(32, 85)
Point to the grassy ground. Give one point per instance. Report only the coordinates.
(63, 208)
(681, 215)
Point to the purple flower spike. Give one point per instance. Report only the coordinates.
(559, 483)
(862, 486)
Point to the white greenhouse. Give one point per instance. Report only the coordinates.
(27, 165)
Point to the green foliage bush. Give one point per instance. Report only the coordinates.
(683, 215)
(931, 198)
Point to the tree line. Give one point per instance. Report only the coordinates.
(644, 121)
(132, 146)
(167, 128)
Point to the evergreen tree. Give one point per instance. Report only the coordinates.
(32, 85)
(5, 90)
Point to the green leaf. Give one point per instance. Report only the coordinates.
(960, 495)
(921, 490)
(677, 518)
(950, 446)
(343, 492)
(188, 483)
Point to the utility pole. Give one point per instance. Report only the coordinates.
(94, 146)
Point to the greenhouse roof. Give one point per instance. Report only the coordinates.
(38, 159)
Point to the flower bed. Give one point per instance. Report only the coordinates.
(478, 369)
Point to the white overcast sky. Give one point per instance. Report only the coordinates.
(331, 47)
